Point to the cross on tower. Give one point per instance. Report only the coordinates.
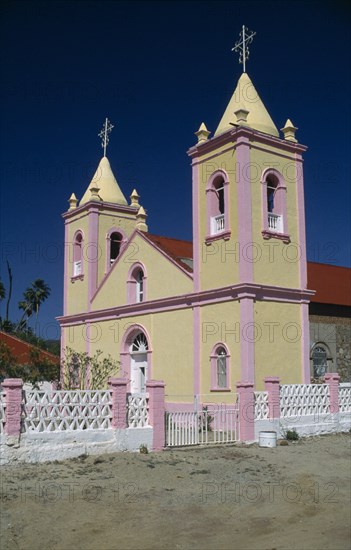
(106, 129)
(241, 46)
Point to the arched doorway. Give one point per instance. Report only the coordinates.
(138, 363)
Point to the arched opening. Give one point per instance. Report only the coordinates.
(219, 367)
(78, 255)
(139, 363)
(115, 246)
(319, 361)
(274, 209)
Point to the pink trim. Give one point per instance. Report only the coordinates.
(65, 270)
(125, 355)
(223, 235)
(247, 346)
(156, 391)
(196, 228)
(212, 203)
(197, 350)
(213, 365)
(302, 224)
(272, 387)
(305, 343)
(102, 206)
(224, 294)
(13, 391)
(231, 136)
(93, 230)
(279, 206)
(332, 379)
(246, 410)
(131, 283)
(118, 387)
(244, 207)
(126, 250)
(124, 241)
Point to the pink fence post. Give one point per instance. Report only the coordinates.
(332, 379)
(272, 387)
(13, 390)
(119, 402)
(246, 394)
(156, 391)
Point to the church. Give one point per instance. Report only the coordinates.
(230, 306)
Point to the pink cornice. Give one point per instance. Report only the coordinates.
(224, 294)
(250, 133)
(100, 206)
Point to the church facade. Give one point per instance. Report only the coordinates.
(230, 306)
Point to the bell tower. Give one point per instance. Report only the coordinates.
(249, 225)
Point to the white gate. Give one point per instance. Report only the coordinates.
(217, 425)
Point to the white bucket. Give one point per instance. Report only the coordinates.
(268, 439)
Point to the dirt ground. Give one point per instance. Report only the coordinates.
(237, 497)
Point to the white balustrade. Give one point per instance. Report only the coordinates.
(304, 399)
(138, 414)
(54, 411)
(77, 268)
(345, 398)
(217, 224)
(275, 222)
(261, 405)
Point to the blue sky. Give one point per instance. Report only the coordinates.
(157, 70)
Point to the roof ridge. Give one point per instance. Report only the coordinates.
(170, 238)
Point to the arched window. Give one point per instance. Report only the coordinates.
(274, 210)
(115, 246)
(139, 344)
(136, 284)
(217, 205)
(139, 285)
(319, 361)
(78, 255)
(219, 368)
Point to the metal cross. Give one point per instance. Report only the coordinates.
(106, 129)
(241, 46)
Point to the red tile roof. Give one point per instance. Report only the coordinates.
(332, 283)
(174, 248)
(21, 349)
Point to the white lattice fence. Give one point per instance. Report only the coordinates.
(261, 405)
(304, 399)
(2, 412)
(345, 398)
(55, 411)
(138, 414)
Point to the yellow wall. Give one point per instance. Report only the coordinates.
(163, 277)
(77, 291)
(277, 348)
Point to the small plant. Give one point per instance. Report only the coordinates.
(143, 449)
(205, 420)
(292, 435)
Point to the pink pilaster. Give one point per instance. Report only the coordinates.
(156, 391)
(332, 379)
(305, 343)
(272, 387)
(12, 388)
(119, 402)
(243, 180)
(247, 337)
(92, 252)
(246, 410)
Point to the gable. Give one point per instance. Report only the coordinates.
(165, 276)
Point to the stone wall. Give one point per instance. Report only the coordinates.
(335, 333)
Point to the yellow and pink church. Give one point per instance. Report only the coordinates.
(232, 305)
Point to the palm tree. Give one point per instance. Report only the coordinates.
(2, 291)
(41, 291)
(34, 296)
